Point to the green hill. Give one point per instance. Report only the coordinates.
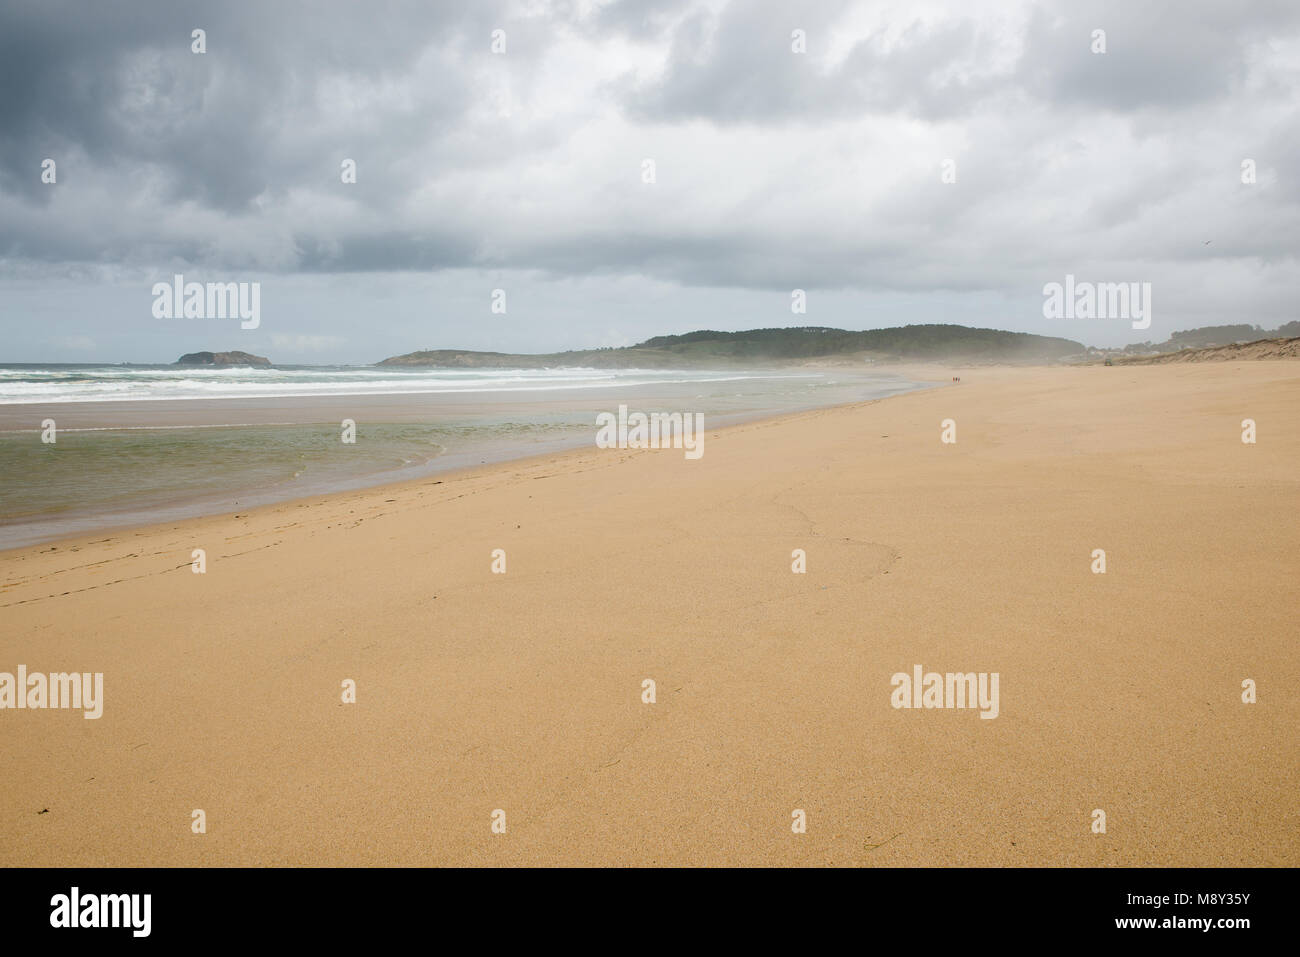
(768, 346)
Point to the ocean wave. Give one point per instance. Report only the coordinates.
(25, 386)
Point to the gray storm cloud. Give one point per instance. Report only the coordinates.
(774, 169)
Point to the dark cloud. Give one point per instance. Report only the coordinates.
(777, 169)
(119, 85)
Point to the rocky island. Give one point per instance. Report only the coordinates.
(222, 359)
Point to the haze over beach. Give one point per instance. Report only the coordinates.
(650, 435)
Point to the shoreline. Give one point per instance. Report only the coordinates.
(74, 524)
(522, 691)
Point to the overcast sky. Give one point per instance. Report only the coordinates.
(523, 170)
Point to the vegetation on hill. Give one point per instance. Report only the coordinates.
(904, 342)
(1214, 336)
(709, 347)
(234, 358)
(1206, 337)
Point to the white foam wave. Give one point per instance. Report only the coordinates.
(20, 386)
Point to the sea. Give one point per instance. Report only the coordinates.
(91, 447)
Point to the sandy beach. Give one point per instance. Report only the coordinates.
(523, 691)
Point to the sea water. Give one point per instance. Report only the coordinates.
(137, 443)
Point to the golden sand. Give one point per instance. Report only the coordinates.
(523, 691)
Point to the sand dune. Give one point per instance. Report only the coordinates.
(1260, 349)
(523, 691)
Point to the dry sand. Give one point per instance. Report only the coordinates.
(522, 691)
